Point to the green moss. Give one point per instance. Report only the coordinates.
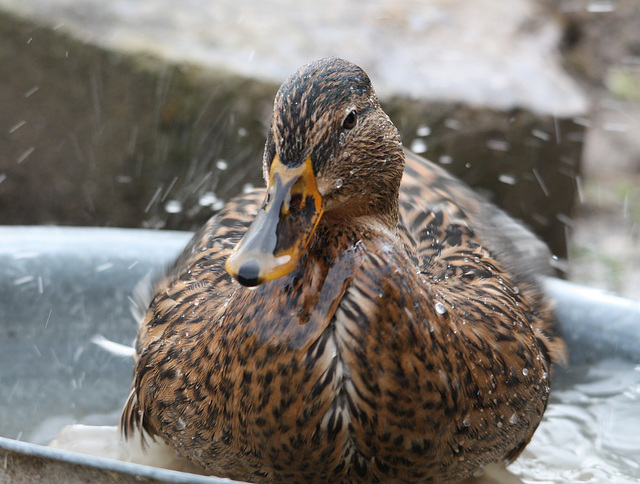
(623, 82)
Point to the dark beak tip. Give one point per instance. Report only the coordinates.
(249, 273)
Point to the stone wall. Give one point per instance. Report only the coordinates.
(108, 122)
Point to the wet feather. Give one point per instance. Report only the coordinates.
(411, 343)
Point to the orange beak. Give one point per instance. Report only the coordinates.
(282, 229)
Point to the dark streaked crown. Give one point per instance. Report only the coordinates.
(311, 102)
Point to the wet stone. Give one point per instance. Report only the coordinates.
(111, 109)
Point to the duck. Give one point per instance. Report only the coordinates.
(365, 317)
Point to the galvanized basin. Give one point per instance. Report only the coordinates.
(59, 287)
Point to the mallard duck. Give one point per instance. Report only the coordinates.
(364, 318)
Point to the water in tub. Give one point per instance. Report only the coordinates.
(590, 434)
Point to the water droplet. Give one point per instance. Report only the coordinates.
(514, 418)
(445, 160)
(543, 135)
(17, 126)
(35, 89)
(545, 375)
(181, 423)
(418, 146)
(452, 123)
(338, 183)
(525, 371)
(508, 179)
(467, 421)
(207, 198)
(541, 182)
(25, 154)
(440, 309)
(173, 206)
(247, 187)
(423, 130)
(498, 145)
(222, 165)
(499, 424)
(218, 205)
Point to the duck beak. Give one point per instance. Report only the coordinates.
(282, 229)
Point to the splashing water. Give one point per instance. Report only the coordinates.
(418, 146)
(173, 206)
(440, 308)
(508, 179)
(589, 434)
(423, 130)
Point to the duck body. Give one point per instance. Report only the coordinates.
(408, 343)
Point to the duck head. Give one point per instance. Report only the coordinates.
(332, 156)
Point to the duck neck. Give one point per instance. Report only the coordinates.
(371, 198)
(380, 198)
(377, 213)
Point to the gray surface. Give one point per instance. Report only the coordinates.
(596, 325)
(61, 286)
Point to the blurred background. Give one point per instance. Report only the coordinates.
(153, 113)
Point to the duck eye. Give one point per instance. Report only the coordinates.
(350, 121)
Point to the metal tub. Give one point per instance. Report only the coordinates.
(59, 287)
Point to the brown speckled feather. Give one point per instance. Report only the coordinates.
(412, 352)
